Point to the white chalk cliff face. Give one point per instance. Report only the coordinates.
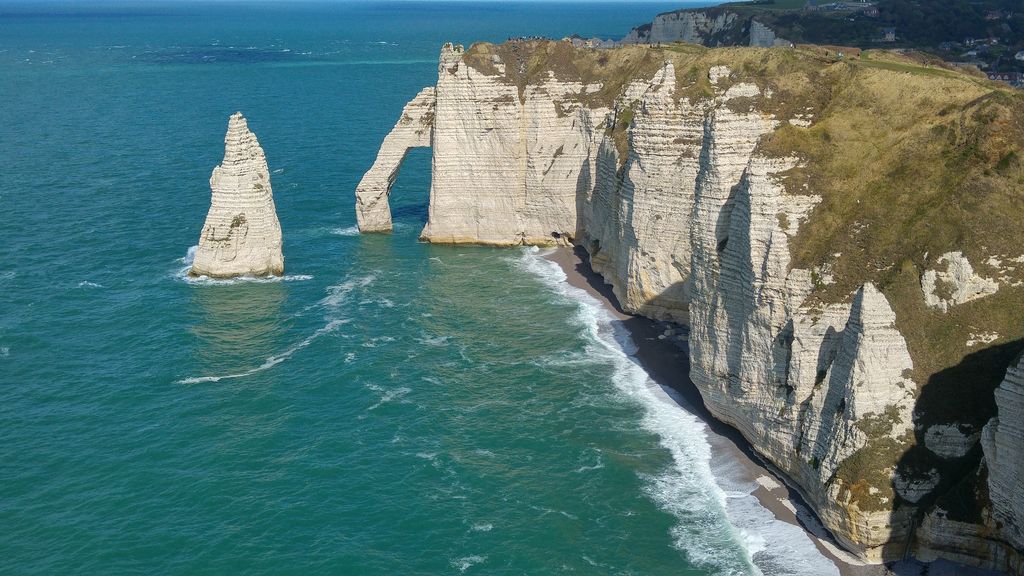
(1003, 441)
(505, 164)
(694, 27)
(689, 221)
(798, 382)
(241, 235)
(413, 130)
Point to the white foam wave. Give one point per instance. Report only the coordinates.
(388, 395)
(433, 340)
(271, 361)
(727, 535)
(350, 231)
(338, 293)
(87, 284)
(183, 275)
(5, 351)
(468, 562)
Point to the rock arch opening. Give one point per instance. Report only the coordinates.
(413, 130)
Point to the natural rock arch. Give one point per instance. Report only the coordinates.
(413, 130)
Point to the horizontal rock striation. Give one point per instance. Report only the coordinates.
(241, 235)
(1003, 442)
(693, 27)
(413, 130)
(506, 161)
(783, 204)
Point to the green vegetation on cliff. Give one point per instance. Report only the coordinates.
(912, 160)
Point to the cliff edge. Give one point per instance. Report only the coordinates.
(838, 229)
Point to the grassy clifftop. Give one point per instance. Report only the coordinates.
(912, 159)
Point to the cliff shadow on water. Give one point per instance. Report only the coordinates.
(959, 400)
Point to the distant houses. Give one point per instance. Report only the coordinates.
(1015, 79)
(889, 34)
(868, 8)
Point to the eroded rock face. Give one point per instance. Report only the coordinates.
(687, 215)
(955, 284)
(691, 27)
(992, 535)
(413, 130)
(799, 382)
(1003, 442)
(505, 164)
(241, 235)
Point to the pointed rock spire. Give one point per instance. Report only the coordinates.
(241, 236)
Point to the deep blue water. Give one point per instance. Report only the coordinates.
(391, 407)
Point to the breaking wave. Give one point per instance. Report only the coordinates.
(350, 231)
(190, 256)
(722, 526)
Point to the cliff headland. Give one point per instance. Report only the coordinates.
(838, 229)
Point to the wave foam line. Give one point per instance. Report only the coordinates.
(190, 256)
(350, 231)
(272, 360)
(716, 529)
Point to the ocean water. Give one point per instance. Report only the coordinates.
(389, 407)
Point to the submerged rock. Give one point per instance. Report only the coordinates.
(241, 236)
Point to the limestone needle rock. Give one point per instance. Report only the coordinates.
(241, 236)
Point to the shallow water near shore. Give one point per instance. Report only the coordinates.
(388, 406)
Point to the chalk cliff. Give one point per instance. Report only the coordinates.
(718, 26)
(241, 235)
(413, 130)
(707, 27)
(832, 231)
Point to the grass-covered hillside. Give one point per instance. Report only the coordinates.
(987, 32)
(913, 159)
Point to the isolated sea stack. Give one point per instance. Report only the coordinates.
(241, 236)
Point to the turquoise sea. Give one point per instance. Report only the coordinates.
(390, 407)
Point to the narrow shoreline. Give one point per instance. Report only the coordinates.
(665, 359)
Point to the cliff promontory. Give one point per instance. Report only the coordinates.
(840, 231)
(241, 235)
